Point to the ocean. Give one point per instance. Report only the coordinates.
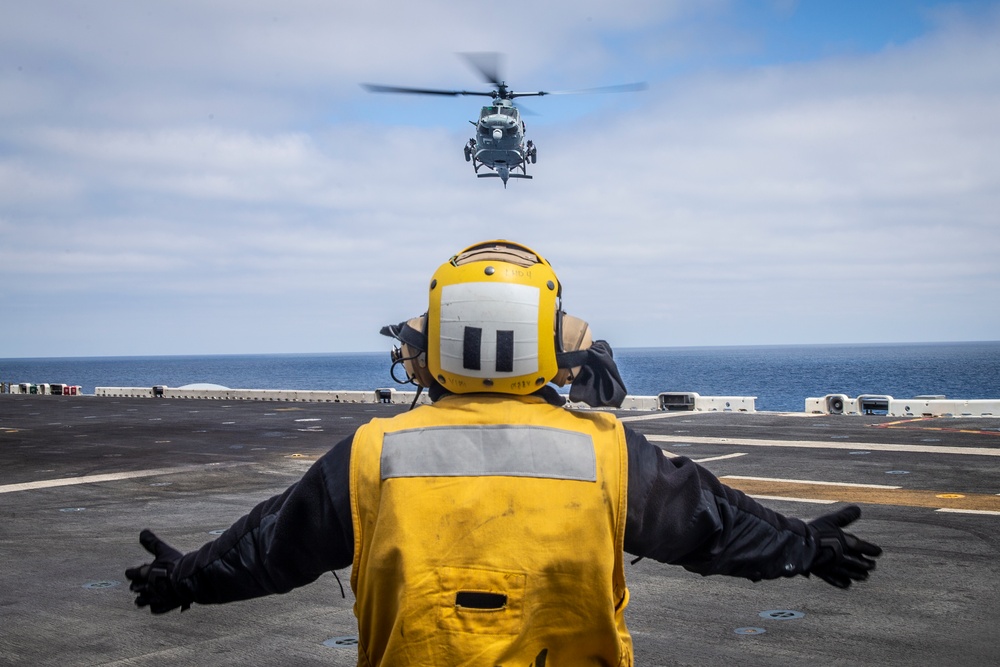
(780, 376)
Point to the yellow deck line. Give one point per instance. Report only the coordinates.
(803, 490)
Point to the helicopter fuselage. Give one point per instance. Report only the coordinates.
(499, 141)
(499, 144)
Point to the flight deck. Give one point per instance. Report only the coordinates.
(80, 476)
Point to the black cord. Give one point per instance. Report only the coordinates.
(342, 594)
(392, 372)
(417, 397)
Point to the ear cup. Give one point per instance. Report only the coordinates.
(413, 357)
(574, 337)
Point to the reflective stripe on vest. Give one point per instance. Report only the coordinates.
(502, 450)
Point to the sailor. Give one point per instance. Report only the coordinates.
(489, 527)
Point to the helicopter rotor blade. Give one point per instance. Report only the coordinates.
(487, 63)
(377, 88)
(621, 88)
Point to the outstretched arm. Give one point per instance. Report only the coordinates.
(285, 542)
(680, 513)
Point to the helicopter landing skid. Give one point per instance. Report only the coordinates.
(495, 175)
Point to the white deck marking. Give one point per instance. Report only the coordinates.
(810, 481)
(671, 455)
(107, 477)
(815, 444)
(720, 458)
(794, 500)
(659, 415)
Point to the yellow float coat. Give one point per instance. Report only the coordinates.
(488, 531)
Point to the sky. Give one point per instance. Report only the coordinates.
(209, 176)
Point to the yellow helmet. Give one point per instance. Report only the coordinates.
(492, 320)
(494, 324)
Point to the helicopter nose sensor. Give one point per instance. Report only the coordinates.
(497, 134)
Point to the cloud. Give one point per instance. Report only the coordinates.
(217, 166)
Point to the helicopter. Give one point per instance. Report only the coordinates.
(499, 144)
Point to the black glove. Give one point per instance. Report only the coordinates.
(151, 582)
(599, 383)
(841, 558)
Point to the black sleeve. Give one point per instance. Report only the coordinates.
(285, 542)
(680, 513)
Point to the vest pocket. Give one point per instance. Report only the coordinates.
(480, 601)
